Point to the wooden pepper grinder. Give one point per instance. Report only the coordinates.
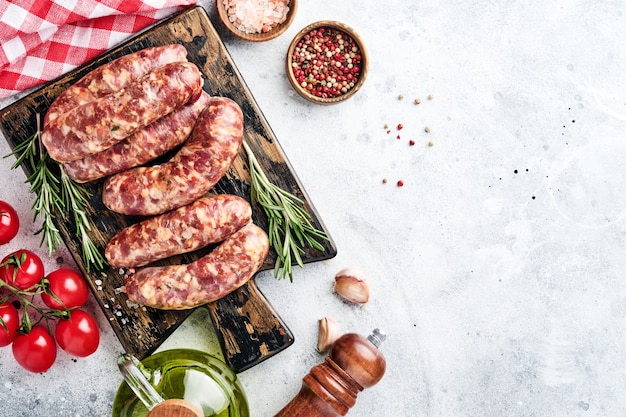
(330, 388)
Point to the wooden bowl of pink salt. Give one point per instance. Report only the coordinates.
(256, 20)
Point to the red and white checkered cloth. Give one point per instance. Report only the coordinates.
(43, 39)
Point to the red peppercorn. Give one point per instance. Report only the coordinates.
(400, 126)
(411, 142)
(320, 56)
(400, 183)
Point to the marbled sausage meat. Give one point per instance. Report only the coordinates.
(194, 170)
(141, 147)
(210, 278)
(113, 76)
(208, 220)
(99, 124)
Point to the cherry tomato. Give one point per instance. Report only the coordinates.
(11, 319)
(79, 335)
(70, 288)
(35, 351)
(22, 269)
(9, 222)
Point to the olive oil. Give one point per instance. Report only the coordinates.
(191, 375)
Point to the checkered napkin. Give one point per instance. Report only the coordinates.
(43, 39)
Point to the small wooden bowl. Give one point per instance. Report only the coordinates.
(261, 36)
(332, 99)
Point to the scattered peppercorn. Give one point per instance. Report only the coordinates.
(431, 143)
(385, 180)
(401, 97)
(430, 96)
(386, 126)
(327, 62)
(427, 129)
(400, 126)
(400, 183)
(411, 142)
(417, 101)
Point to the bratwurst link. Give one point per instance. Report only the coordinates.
(112, 77)
(99, 124)
(210, 278)
(194, 170)
(207, 220)
(141, 147)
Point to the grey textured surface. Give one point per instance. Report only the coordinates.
(496, 271)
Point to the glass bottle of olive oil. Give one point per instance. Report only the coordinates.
(191, 375)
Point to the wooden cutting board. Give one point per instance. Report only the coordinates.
(249, 328)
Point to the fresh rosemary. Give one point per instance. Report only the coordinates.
(290, 228)
(56, 196)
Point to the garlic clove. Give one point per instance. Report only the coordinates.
(328, 334)
(352, 286)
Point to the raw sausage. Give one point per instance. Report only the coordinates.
(141, 147)
(113, 76)
(208, 220)
(99, 124)
(210, 278)
(194, 170)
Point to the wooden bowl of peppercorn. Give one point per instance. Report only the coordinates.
(251, 24)
(327, 62)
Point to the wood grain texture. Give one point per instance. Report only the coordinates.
(249, 327)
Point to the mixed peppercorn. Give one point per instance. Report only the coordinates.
(327, 62)
(399, 127)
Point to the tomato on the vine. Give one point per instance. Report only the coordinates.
(9, 222)
(10, 322)
(22, 269)
(35, 351)
(79, 335)
(68, 286)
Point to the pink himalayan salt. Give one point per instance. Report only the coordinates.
(256, 16)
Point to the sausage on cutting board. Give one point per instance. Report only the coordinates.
(210, 278)
(191, 173)
(141, 147)
(113, 76)
(208, 220)
(99, 124)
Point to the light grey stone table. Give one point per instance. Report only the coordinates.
(497, 270)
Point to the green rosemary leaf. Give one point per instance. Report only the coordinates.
(24, 151)
(289, 224)
(54, 195)
(76, 197)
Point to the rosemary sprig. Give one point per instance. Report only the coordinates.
(44, 185)
(75, 197)
(54, 195)
(290, 228)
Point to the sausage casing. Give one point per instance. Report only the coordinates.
(208, 220)
(113, 76)
(141, 147)
(210, 278)
(194, 170)
(99, 124)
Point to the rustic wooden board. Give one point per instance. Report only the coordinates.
(249, 327)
